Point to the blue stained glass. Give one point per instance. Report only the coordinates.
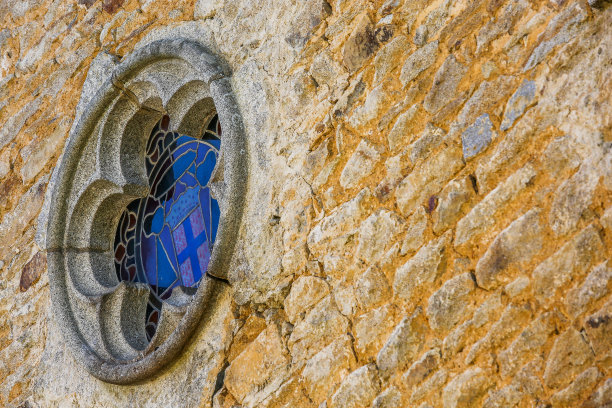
(149, 259)
(182, 207)
(165, 272)
(189, 178)
(166, 238)
(202, 150)
(205, 205)
(206, 168)
(182, 140)
(158, 221)
(168, 244)
(182, 163)
(169, 203)
(183, 147)
(216, 144)
(179, 189)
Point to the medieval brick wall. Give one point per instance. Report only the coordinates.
(429, 212)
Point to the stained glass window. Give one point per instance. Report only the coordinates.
(166, 238)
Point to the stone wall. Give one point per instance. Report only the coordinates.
(429, 212)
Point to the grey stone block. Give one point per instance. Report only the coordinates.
(477, 136)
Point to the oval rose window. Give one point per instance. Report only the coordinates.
(145, 208)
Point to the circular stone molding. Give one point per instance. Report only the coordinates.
(101, 171)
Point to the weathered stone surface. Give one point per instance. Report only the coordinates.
(567, 32)
(325, 371)
(509, 324)
(505, 23)
(306, 291)
(111, 6)
(388, 7)
(485, 99)
(15, 123)
(251, 328)
(594, 287)
(344, 295)
(450, 203)
(517, 286)
(569, 263)
(561, 155)
(325, 70)
(428, 179)
(568, 357)
(372, 328)
(31, 57)
(400, 132)
(509, 396)
(5, 165)
(606, 219)
(24, 212)
(477, 137)
(294, 261)
(466, 389)
(531, 340)
(376, 233)
(344, 220)
(320, 327)
(505, 152)
(486, 311)
(223, 399)
(449, 304)
(528, 377)
(262, 362)
(303, 24)
(206, 8)
(32, 271)
(388, 57)
(598, 328)
(358, 389)
(421, 369)
(373, 106)
(39, 153)
(455, 341)
(573, 197)
(434, 383)
(445, 84)
(360, 45)
(419, 61)
(601, 397)
(434, 21)
(349, 97)
(422, 269)
(290, 392)
(428, 140)
(389, 398)
(518, 103)
(403, 345)
(488, 69)
(572, 393)
(481, 216)
(372, 288)
(516, 244)
(417, 224)
(410, 11)
(304, 114)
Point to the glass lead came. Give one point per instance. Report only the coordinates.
(166, 238)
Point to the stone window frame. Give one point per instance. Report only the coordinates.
(101, 170)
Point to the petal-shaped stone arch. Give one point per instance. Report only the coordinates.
(101, 170)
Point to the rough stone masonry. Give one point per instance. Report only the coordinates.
(429, 210)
